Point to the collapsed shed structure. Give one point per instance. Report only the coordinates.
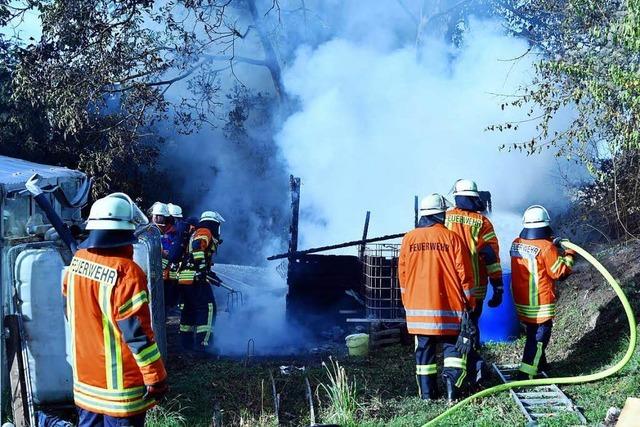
(325, 291)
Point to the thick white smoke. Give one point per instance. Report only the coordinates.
(373, 126)
(376, 126)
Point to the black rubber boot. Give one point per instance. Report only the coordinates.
(452, 390)
(433, 392)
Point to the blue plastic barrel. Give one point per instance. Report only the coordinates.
(500, 324)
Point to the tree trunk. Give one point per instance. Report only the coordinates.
(271, 58)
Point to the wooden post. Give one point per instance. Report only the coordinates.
(415, 211)
(364, 235)
(295, 214)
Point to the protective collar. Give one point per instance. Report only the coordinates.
(470, 203)
(536, 233)
(212, 226)
(429, 220)
(103, 239)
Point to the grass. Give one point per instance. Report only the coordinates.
(167, 414)
(380, 390)
(342, 396)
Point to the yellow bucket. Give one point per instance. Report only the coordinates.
(358, 344)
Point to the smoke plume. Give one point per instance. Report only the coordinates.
(377, 126)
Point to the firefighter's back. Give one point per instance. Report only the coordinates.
(432, 291)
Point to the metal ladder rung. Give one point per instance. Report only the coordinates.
(539, 401)
(535, 395)
(544, 415)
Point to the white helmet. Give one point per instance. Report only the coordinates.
(113, 212)
(433, 204)
(536, 216)
(174, 210)
(211, 216)
(465, 187)
(160, 208)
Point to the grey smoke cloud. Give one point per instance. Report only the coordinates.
(377, 126)
(373, 126)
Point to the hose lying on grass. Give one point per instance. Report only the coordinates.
(564, 380)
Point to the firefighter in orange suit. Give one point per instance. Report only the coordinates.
(536, 264)
(467, 221)
(436, 283)
(117, 370)
(199, 310)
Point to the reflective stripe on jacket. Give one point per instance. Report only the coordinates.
(435, 276)
(479, 236)
(199, 257)
(535, 266)
(114, 353)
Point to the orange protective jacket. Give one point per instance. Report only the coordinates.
(114, 353)
(199, 257)
(535, 266)
(436, 280)
(477, 232)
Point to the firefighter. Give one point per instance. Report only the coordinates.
(117, 370)
(174, 243)
(160, 215)
(467, 221)
(436, 283)
(536, 264)
(199, 309)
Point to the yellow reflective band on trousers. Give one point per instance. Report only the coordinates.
(148, 355)
(208, 327)
(455, 362)
(458, 363)
(528, 369)
(112, 348)
(532, 370)
(426, 369)
(187, 328)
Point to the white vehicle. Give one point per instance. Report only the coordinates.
(36, 370)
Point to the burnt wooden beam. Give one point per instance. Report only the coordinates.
(338, 246)
(295, 213)
(364, 234)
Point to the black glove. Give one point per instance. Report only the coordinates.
(556, 242)
(496, 299)
(157, 391)
(498, 288)
(467, 337)
(213, 278)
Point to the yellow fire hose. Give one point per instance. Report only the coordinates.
(565, 380)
